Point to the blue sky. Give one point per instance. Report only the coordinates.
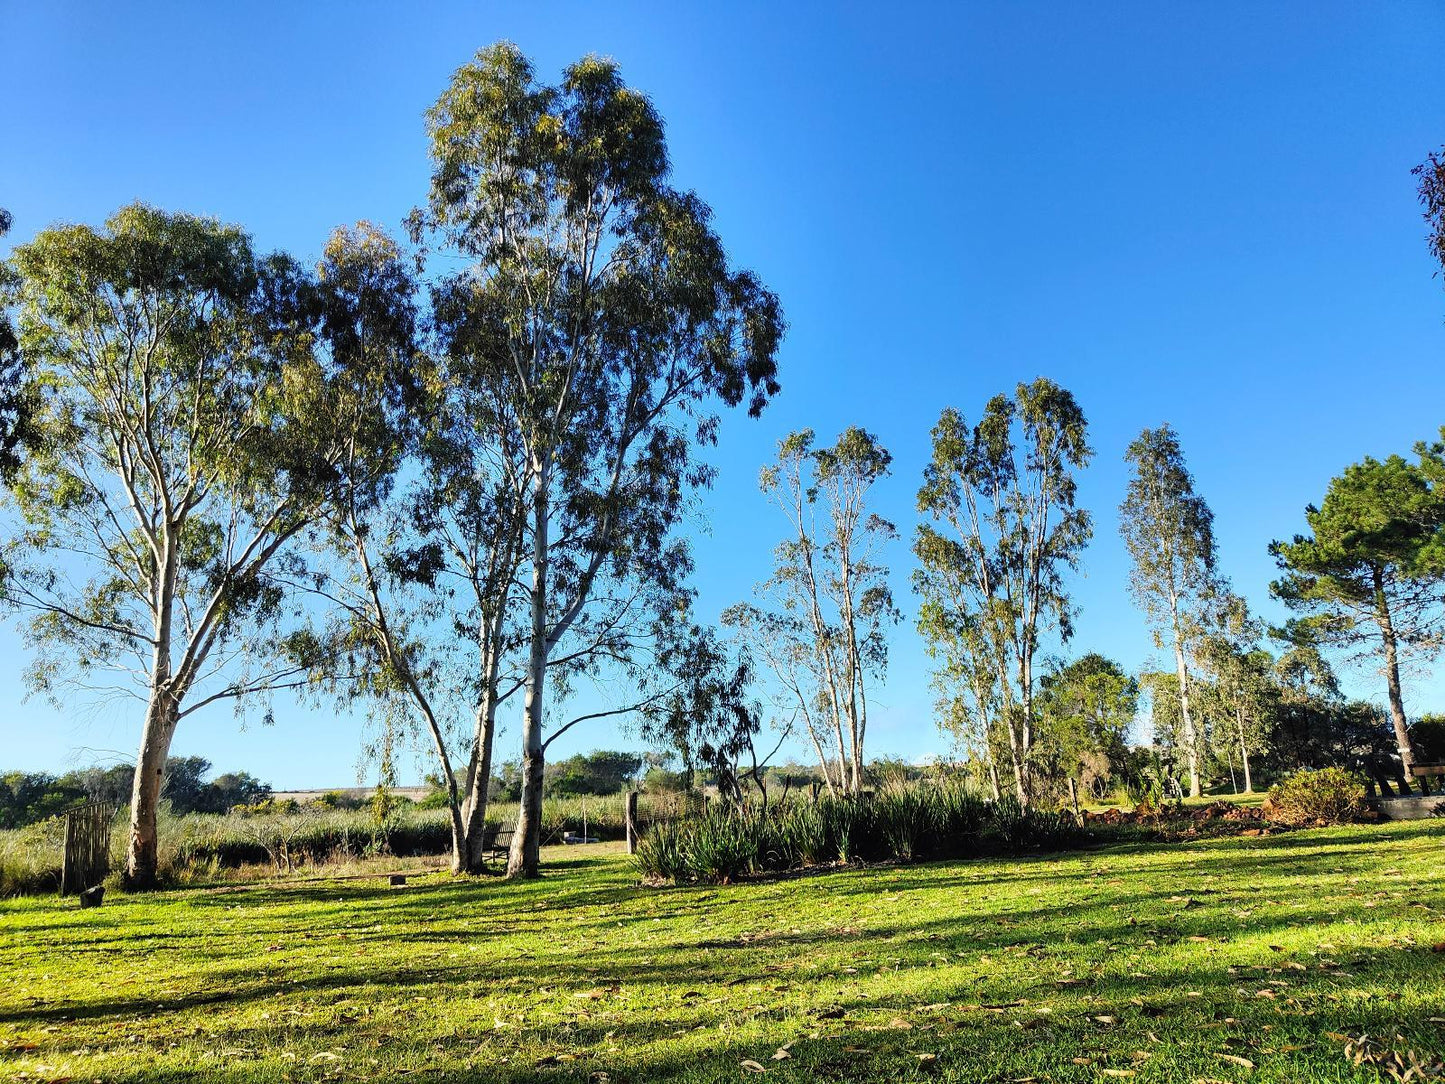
(1199, 213)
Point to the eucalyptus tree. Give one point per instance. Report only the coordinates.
(1169, 532)
(611, 327)
(965, 681)
(422, 581)
(187, 426)
(825, 635)
(1242, 677)
(15, 410)
(1005, 529)
(1431, 173)
(708, 715)
(1368, 577)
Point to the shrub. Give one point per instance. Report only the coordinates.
(660, 854)
(802, 835)
(725, 843)
(903, 822)
(1317, 796)
(902, 818)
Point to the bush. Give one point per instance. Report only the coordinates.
(904, 822)
(30, 858)
(1317, 796)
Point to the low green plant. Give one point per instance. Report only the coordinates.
(903, 822)
(1317, 796)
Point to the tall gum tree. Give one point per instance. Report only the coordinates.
(614, 328)
(825, 637)
(1242, 678)
(1370, 576)
(1004, 530)
(181, 439)
(420, 573)
(1169, 532)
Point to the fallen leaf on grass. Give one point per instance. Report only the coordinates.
(1117, 1072)
(750, 1066)
(1235, 1059)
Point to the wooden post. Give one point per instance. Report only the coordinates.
(1074, 798)
(816, 788)
(631, 822)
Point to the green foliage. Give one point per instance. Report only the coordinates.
(196, 404)
(1373, 543)
(1428, 734)
(1371, 574)
(27, 797)
(597, 312)
(823, 629)
(1432, 197)
(1316, 797)
(599, 772)
(1003, 528)
(906, 822)
(661, 779)
(1085, 710)
(335, 799)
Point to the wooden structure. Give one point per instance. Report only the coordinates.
(497, 842)
(87, 847)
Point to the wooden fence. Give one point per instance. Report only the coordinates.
(87, 847)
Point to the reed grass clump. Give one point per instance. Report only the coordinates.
(903, 822)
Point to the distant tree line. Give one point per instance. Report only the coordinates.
(28, 797)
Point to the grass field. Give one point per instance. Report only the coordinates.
(1243, 959)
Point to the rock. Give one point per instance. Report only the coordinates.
(398, 880)
(91, 897)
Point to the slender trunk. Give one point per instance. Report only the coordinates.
(822, 757)
(526, 839)
(993, 777)
(1026, 719)
(162, 715)
(143, 851)
(474, 809)
(1392, 679)
(1191, 742)
(1233, 779)
(1243, 750)
(1020, 786)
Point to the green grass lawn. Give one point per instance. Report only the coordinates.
(1225, 960)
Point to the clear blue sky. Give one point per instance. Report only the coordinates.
(1199, 213)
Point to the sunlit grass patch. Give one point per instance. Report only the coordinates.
(1226, 959)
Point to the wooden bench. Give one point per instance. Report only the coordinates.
(1421, 770)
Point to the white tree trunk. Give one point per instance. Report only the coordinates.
(525, 856)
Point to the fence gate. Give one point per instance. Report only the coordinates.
(87, 847)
